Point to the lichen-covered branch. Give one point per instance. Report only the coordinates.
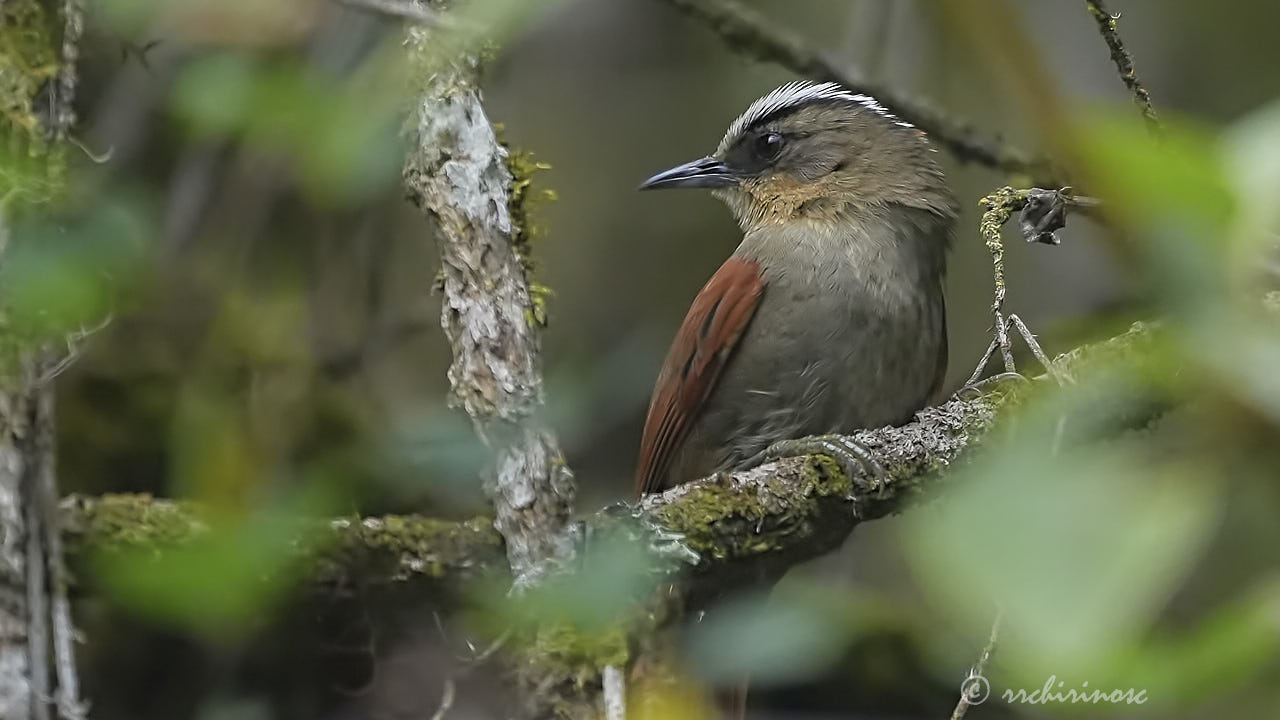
(390, 550)
(1124, 62)
(37, 87)
(457, 171)
(20, 682)
(753, 525)
(747, 32)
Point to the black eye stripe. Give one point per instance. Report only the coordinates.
(768, 145)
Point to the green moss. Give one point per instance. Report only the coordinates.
(524, 231)
(704, 509)
(419, 545)
(33, 172)
(112, 522)
(394, 547)
(32, 169)
(563, 650)
(999, 206)
(27, 61)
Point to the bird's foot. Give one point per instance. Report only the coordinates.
(974, 389)
(1001, 342)
(853, 457)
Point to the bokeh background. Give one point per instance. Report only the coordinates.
(274, 326)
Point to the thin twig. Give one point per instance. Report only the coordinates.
(999, 207)
(1124, 62)
(1038, 352)
(1050, 210)
(448, 692)
(749, 33)
(446, 699)
(977, 674)
(75, 346)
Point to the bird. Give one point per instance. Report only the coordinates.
(829, 316)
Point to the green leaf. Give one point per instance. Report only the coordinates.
(219, 584)
(1080, 549)
(66, 274)
(771, 640)
(216, 94)
(1172, 196)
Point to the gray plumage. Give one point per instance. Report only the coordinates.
(850, 333)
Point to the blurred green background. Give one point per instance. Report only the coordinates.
(274, 344)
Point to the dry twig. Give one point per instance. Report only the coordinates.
(976, 681)
(1124, 62)
(747, 32)
(1043, 213)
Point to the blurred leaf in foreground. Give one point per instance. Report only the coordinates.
(770, 639)
(1081, 548)
(220, 583)
(68, 273)
(339, 131)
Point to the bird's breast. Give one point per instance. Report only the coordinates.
(845, 337)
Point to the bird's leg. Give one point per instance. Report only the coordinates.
(1036, 350)
(974, 385)
(974, 389)
(853, 457)
(662, 542)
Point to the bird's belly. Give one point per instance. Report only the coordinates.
(847, 366)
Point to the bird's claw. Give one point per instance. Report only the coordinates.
(853, 457)
(973, 390)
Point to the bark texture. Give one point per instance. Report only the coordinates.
(457, 171)
(17, 684)
(37, 655)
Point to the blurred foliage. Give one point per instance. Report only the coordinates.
(27, 61)
(271, 355)
(1083, 546)
(339, 133)
(771, 640)
(219, 584)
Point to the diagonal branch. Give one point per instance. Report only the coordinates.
(457, 172)
(1124, 62)
(749, 33)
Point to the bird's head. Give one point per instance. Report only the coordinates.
(816, 151)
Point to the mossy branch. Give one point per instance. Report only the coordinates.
(387, 550)
(710, 536)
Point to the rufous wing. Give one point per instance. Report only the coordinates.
(702, 347)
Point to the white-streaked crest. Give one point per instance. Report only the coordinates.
(797, 93)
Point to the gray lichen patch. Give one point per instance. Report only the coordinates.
(381, 550)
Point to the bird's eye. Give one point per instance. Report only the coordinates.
(768, 145)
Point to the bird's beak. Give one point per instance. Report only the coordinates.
(707, 172)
